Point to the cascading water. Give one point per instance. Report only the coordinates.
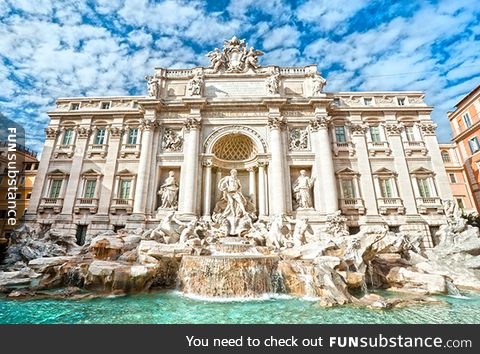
(452, 290)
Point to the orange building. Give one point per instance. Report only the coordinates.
(27, 166)
(457, 177)
(465, 122)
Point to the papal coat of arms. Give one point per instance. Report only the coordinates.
(235, 57)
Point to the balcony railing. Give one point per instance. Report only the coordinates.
(375, 147)
(345, 146)
(429, 203)
(51, 203)
(121, 204)
(413, 146)
(97, 149)
(64, 149)
(390, 204)
(349, 204)
(86, 203)
(130, 149)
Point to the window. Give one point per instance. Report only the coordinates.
(336, 101)
(375, 133)
(367, 101)
(401, 101)
(453, 177)
(423, 187)
(386, 187)
(100, 136)
(75, 106)
(467, 120)
(29, 195)
(105, 105)
(55, 188)
(90, 186)
(125, 189)
(21, 180)
(474, 146)
(446, 156)
(340, 134)
(132, 136)
(460, 203)
(410, 133)
(18, 196)
(67, 137)
(1, 180)
(348, 188)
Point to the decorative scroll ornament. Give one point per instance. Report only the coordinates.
(298, 139)
(415, 99)
(234, 58)
(51, 132)
(153, 87)
(358, 129)
(428, 128)
(352, 100)
(393, 129)
(172, 141)
(83, 132)
(192, 123)
(319, 122)
(384, 99)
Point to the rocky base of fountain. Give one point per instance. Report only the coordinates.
(336, 270)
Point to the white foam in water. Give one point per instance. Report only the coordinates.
(262, 297)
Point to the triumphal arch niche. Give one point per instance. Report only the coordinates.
(250, 135)
(235, 142)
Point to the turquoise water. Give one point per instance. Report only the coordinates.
(171, 307)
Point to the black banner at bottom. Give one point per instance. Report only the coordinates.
(241, 338)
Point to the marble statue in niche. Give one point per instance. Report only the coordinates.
(318, 83)
(233, 211)
(273, 83)
(172, 141)
(302, 191)
(169, 192)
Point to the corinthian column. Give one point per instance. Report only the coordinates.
(148, 126)
(189, 174)
(262, 195)
(207, 194)
(277, 171)
(326, 198)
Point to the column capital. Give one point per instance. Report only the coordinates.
(320, 121)
(51, 132)
(358, 129)
(116, 132)
(83, 132)
(276, 122)
(394, 129)
(192, 123)
(148, 124)
(428, 128)
(262, 163)
(207, 163)
(251, 168)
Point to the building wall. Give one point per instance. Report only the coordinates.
(27, 164)
(458, 183)
(404, 151)
(462, 134)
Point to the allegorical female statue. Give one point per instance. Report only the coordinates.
(302, 191)
(168, 192)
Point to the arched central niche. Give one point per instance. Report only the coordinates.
(235, 147)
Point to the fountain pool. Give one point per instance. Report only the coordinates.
(173, 308)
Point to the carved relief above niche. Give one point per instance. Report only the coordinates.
(172, 140)
(298, 139)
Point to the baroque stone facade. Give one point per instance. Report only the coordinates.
(372, 155)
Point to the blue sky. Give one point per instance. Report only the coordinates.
(53, 49)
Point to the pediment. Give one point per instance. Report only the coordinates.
(58, 172)
(346, 171)
(384, 171)
(422, 171)
(125, 172)
(91, 172)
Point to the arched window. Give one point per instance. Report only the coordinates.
(446, 156)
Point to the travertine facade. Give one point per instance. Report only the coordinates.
(372, 155)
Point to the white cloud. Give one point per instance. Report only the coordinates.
(286, 36)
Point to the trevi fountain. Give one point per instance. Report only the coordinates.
(238, 207)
